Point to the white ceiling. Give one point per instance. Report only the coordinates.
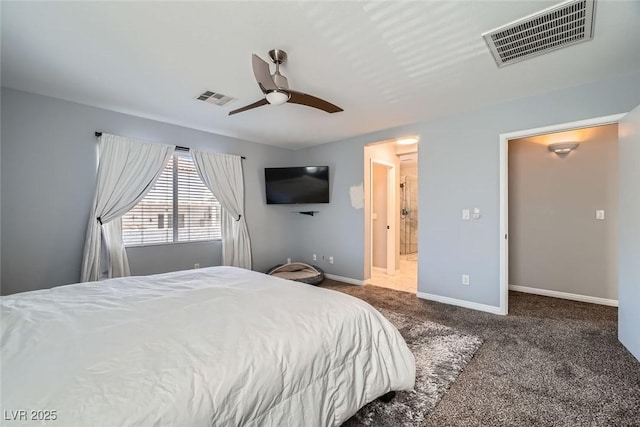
(386, 63)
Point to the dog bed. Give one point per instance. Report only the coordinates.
(298, 271)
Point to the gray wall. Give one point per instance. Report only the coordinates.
(555, 241)
(338, 229)
(163, 258)
(459, 168)
(629, 233)
(48, 180)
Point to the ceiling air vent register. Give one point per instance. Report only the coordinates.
(559, 26)
(215, 98)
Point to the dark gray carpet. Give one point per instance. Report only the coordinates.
(440, 352)
(550, 362)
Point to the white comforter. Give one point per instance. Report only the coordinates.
(219, 346)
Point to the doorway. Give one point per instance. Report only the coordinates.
(391, 215)
(563, 214)
(504, 192)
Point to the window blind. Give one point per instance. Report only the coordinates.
(199, 213)
(179, 208)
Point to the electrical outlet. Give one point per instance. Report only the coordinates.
(465, 279)
(288, 260)
(315, 257)
(196, 265)
(330, 260)
(465, 214)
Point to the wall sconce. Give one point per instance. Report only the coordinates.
(563, 148)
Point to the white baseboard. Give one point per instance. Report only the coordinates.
(344, 279)
(564, 295)
(461, 303)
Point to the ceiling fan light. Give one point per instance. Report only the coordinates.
(277, 97)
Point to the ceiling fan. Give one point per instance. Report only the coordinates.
(276, 88)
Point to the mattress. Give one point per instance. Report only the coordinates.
(220, 346)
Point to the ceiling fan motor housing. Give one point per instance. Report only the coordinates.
(278, 56)
(280, 81)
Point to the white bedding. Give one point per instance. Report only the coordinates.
(219, 346)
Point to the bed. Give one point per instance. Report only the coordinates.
(219, 346)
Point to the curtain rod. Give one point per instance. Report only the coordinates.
(99, 134)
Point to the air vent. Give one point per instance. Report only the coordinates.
(559, 26)
(215, 98)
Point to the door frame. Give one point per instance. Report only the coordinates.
(504, 190)
(391, 210)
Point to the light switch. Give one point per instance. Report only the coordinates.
(599, 214)
(374, 216)
(465, 213)
(476, 213)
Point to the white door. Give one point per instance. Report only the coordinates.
(379, 215)
(383, 220)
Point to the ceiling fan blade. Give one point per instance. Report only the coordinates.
(263, 74)
(256, 104)
(312, 101)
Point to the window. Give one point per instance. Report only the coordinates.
(179, 208)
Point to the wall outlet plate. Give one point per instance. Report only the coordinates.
(465, 279)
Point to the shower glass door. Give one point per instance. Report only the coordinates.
(408, 212)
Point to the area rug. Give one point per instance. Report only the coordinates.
(441, 353)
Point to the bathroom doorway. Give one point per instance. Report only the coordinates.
(400, 225)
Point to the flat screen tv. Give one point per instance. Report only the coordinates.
(305, 184)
